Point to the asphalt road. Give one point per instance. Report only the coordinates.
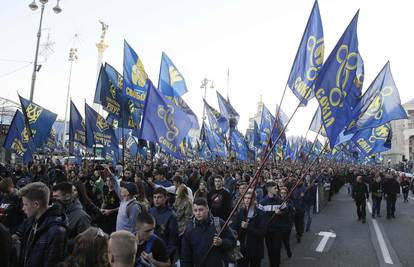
(337, 238)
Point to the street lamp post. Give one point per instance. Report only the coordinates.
(204, 84)
(33, 6)
(72, 58)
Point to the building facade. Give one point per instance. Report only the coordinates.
(402, 144)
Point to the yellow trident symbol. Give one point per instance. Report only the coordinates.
(375, 108)
(33, 112)
(379, 133)
(167, 116)
(102, 124)
(175, 76)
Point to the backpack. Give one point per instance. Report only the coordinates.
(129, 207)
(234, 254)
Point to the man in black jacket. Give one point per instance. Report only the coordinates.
(200, 245)
(219, 200)
(376, 195)
(43, 235)
(78, 219)
(391, 190)
(360, 195)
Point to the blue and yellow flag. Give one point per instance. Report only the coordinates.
(380, 104)
(266, 124)
(227, 109)
(309, 58)
(171, 82)
(238, 145)
(373, 140)
(164, 122)
(256, 135)
(18, 138)
(124, 110)
(336, 80)
(39, 121)
(218, 123)
(215, 142)
(179, 102)
(76, 126)
(99, 131)
(135, 84)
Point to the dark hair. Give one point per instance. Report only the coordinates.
(218, 177)
(177, 179)
(161, 191)
(145, 217)
(200, 202)
(270, 184)
(90, 249)
(64, 187)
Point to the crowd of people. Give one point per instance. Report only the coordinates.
(164, 212)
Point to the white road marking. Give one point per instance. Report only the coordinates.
(383, 246)
(324, 241)
(410, 197)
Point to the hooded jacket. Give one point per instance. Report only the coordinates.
(43, 242)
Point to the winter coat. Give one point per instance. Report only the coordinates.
(197, 240)
(391, 188)
(43, 242)
(166, 227)
(251, 239)
(78, 219)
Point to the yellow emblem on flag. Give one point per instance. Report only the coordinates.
(139, 76)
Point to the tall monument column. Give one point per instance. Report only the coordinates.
(102, 46)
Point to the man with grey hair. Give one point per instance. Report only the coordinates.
(122, 248)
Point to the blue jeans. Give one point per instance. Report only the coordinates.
(308, 216)
(376, 206)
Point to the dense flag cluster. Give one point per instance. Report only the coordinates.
(141, 118)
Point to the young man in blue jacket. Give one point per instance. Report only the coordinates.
(165, 220)
(201, 246)
(43, 235)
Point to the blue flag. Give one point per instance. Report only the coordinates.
(336, 80)
(124, 110)
(135, 84)
(164, 122)
(218, 123)
(214, 142)
(99, 131)
(18, 138)
(238, 145)
(171, 82)
(266, 124)
(179, 102)
(380, 104)
(309, 58)
(76, 126)
(227, 109)
(373, 140)
(39, 121)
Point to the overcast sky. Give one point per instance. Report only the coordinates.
(257, 40)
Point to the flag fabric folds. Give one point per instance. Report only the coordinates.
(214, 142)
(135, 82)
(76, 126)
(18, 138)
(373, 140)
(218, 123)
(164, 122)
(171, 82)
(39, 121)
(238, 145)
(99, 131)
(227, 109)
(309, 58)
(335, 82)
(379, 105)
